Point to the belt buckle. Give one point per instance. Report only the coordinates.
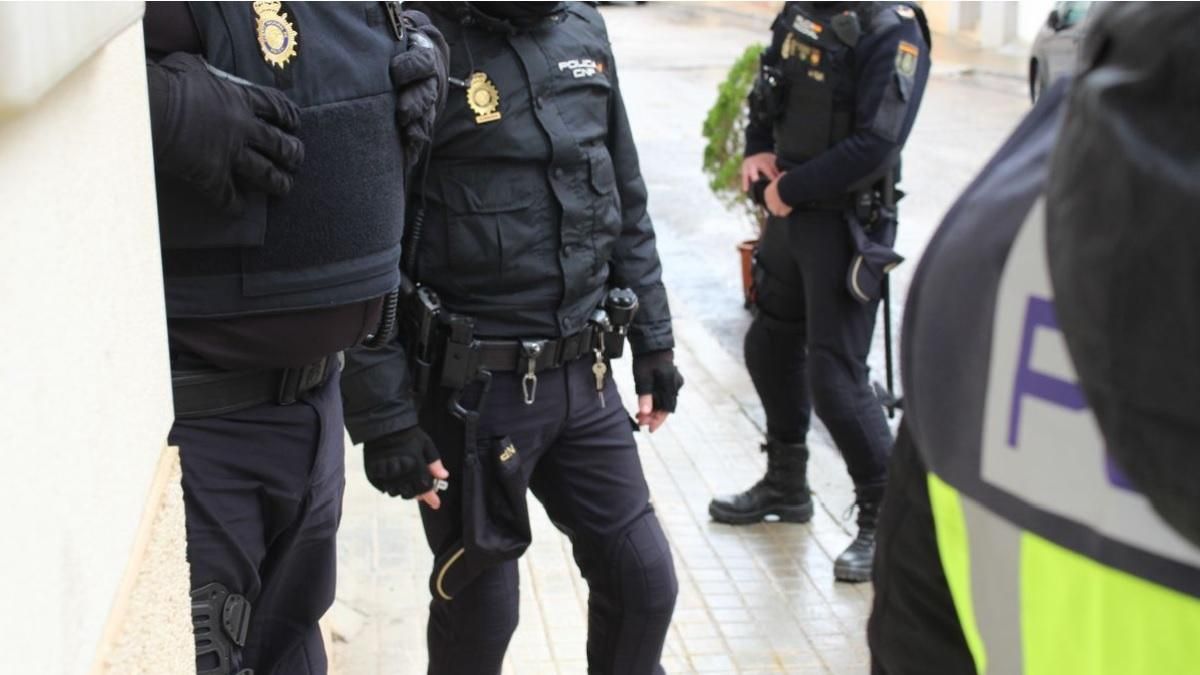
(297, 380)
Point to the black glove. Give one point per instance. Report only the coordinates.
(398, 463)
(655, 373)
(419, 75)
(223, 135)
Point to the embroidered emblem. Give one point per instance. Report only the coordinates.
(807, 27)
(581, 67)
(906, 58)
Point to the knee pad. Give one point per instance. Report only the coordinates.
(220, 620)
(641, 561)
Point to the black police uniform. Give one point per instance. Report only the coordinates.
(263, 293)
(531, 208)
(847, 81)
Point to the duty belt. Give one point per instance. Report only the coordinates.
(509, 355)
(209, 393)
(444, 351)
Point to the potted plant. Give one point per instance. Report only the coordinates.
(725, 133)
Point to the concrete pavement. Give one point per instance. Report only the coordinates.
(752, 599)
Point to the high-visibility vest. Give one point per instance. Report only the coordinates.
(1056, 564)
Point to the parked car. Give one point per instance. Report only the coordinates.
(1056, 47)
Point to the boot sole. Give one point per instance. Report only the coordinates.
(799, 513)
(853, 575)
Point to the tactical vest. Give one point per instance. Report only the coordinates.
(1055, 563)
(335, 238)
(817, 73)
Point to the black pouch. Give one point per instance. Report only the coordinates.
(873, 258)
(495, 513)
(495, 516)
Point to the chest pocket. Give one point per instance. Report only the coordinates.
(581, 90)
(497, 222)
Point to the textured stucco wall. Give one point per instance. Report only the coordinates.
(86, 398)
(149, 629)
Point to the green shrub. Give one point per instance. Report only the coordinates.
(725, 132)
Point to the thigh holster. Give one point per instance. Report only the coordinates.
(220, 620)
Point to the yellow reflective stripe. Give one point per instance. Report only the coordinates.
(1079, 616)
(952, 548)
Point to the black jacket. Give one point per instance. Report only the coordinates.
(880, 97)
(530, 217)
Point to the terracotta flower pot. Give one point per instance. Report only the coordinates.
(746, 251)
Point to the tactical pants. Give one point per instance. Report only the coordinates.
(263, 498)
(581, 461)
(807, 347)
(914, 626)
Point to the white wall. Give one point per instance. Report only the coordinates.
(85, 404)
(993, 23)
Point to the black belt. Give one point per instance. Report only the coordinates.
(836, 204)
(513, 355)
(207, 393)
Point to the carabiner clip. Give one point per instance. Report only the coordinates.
(531, 349)
(529, 386)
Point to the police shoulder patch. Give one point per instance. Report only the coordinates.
(905, 12)
(906, 58)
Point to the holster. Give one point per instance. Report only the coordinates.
(872, 224)
(437, 342)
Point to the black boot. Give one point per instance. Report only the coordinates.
(782, 493)
(854, 564)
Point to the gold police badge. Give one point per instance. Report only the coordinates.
(276, 35)
(483, 99)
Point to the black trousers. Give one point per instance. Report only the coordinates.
(263, 497)
(914, 627)
(807, 346)
(580, 460)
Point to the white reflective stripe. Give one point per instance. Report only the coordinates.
(1040, 442)
(994, 546)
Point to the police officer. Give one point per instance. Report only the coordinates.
(280, 158)
(838, 92)
(534, 246)
(1041, 515)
